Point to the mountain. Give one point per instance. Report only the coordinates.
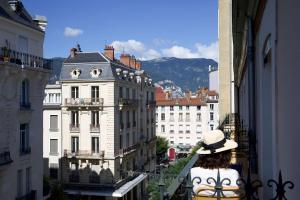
(179, 74)
(187, 73)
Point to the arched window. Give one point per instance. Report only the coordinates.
(25, 94)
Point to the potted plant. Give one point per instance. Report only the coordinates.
(5, 54)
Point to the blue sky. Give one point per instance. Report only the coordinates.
(146, 28)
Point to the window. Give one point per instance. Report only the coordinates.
(163, 128)
(53, 172)
(127, 93)
(180, 117)
(53, 146)
(28, 180)
(198, 129)
(128, 119)
(74, 119)
(133, 119)
(74, 144)
(163, 117)
(95, 144)
(121, 141)
(171, 128)
(133, 138)
(53, 123)
(24, 139)
(180, 129)
(95, 118)
(25, 94)
(180, 107)
(187, 108)
(198, 107)
(95, 93)
(187, 117)
(133, 94)
(171, 117)
(127, 139)
(187, 128)
(20, 183)
(120, 92)
(23, 45)
(211, 116)
(171, 108)
(211, 106)
(74, 92)
(171, 142)
(152, 96)
(211, 127)
(198, 119)
(162, 109)
(121, 120)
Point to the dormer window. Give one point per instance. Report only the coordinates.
(75, 73)
(95, 73)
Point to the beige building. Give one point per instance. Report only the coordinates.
(266, 49)
(107, 126)
(23, 76)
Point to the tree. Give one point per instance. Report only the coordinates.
(162, 146)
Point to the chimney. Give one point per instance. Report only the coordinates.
(41, 21)
(109, 52)
(132, 62)
(125, 59)
(73, 52)
(15, 5)
(137, 65)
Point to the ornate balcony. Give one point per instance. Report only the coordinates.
(5, 158)
(84, 103)
(84, 154)
(74, 127)
(23, 59)
(125, 104)
(128, 150)
(95, 128)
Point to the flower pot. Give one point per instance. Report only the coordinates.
(6, 59)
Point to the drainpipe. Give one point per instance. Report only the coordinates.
(251, 96)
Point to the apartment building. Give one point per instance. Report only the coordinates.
(182, 121)
(106, 123)
(23, 76)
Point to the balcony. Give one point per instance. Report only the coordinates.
(128, 150)
(84, 154)
(125, 104)
(74, 128)
(151, 104)
(24, 59)
(5, 158)
(29, 196)
(95, 128)
(84, 103)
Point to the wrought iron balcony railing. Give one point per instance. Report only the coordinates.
(24, 59)
(95, 128)
(84, 154)
(5, 158)
(74, 127)
(127, 103)
(92, 103)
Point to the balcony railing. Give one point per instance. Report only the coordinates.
(5, 158)
(95, 128)
(95, 103)
(29, 196)
(94, 179)
(24, 59)
(127, 103)
(128, 150)
(74, 127)
(84, 154)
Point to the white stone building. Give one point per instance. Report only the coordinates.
(23, 76)
(182, 121)
(107, 126)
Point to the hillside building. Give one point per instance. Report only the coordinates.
(23, 76)
(106, 126)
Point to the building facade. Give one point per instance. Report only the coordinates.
(265, 44)
(182, 121)
(107, 125)
(23, 76)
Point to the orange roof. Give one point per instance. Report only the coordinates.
(180, 102)
(212, 93)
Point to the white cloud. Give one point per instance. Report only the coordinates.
(150, 54)
(208, 51)
(202, 51)
(72, 32)
(129, 46)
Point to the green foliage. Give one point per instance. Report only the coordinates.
(153, 189)
(162, 146)
(46, 185)
(57, 193)
(195, 149)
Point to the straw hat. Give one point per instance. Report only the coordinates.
(215, 142)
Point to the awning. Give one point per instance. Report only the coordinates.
(120, 192)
